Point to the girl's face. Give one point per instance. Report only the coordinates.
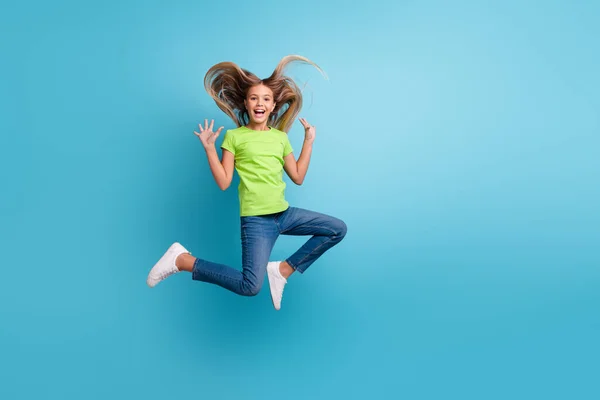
(259, 103)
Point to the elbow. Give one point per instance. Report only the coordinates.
(224, 186)
(299, 178)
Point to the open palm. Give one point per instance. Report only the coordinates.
(309, 130)
(206, 134)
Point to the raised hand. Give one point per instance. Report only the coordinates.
(309, 131)
(206, 135)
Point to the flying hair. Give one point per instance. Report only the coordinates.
(228, 85)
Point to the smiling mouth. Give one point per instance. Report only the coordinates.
(259, 113)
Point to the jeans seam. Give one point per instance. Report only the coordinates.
(314, 250)
(209, 273)
(291, 264)
(221, 277)
(334, 233)
(213, 275)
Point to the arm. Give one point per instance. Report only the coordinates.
(222, 170)
(296, 170)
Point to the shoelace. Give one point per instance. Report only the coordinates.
(167, 273)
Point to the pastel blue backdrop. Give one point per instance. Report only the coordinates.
(458, 140)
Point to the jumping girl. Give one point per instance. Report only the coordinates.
(259, 150)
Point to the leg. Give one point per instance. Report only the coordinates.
(258, 238)
(327, 231)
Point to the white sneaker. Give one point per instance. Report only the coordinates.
(166, 267)
(276, 283)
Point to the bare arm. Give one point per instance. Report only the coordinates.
(222, 170)
(297, 170)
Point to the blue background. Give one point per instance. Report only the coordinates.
(459, 141)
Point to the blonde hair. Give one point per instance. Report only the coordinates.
(228, 85)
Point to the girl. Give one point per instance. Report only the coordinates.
(259, 149)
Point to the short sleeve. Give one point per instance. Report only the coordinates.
(228, 143)
(287, 146)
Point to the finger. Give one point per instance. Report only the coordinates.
(197, 134)
(206, 124)
(200, 126)
(218, 132)
(212, 123)
(303, 122)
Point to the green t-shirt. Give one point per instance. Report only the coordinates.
(259, 163)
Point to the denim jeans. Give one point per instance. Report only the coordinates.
(259, 234)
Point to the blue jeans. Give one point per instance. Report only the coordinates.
(259, 234)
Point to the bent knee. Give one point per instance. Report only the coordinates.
(250, 289)
(341, 229)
